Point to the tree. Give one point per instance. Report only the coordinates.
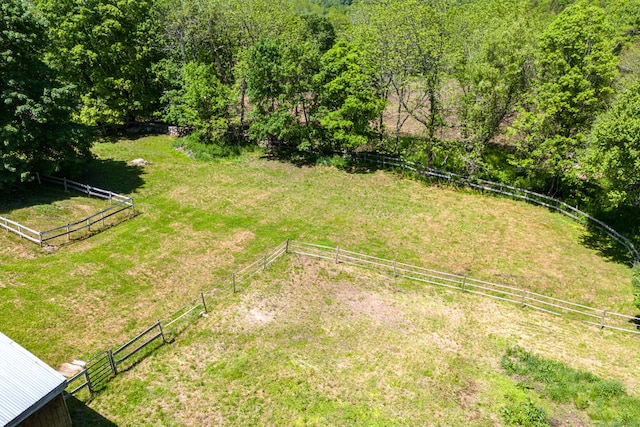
(201, 102)
(576, 69)
(347, 102)
(495, 45)
(36, 132)
(613, 156)
(107, 49)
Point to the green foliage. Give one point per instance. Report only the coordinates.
(36, 131)
(107, 49)
(347, 102)
(495, 47)
(202, 102)
(576, 68)
(614, 149)
(525, 414)
(603, 400)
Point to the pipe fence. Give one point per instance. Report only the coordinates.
(600, 317)
(494, 187)
(108, 363)
(117, 203)
(105, 365)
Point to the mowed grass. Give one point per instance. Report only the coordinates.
(47, 206)
(315, 343)
(200, 221)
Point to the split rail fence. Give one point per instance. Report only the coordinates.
(594, 316)
(117, 203)
(108, 363)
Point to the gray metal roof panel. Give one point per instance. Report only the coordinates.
(26, 382)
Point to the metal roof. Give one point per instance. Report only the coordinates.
(26, 383)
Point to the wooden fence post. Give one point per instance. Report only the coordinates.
(38, 177)
(204, 303)
(524, 295)
(264, 264)
(604, 314)
(66, 190)
(337, 255)
(464, 282)
(233, 281)
(286, 248)
(89, 224)
(40, 234)
(395, 268)
(68, 232)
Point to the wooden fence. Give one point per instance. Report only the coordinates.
(594, 316)
(107, 364)
(117, 203)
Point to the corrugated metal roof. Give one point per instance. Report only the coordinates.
(26, 382)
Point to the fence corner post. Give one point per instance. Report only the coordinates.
(164, 339)
(112, 362)
(286, 247)
(40, 234)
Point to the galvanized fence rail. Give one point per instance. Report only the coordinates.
(107, 364)
(118, 203)
(505, 190)
(600, 317)
(494, 187)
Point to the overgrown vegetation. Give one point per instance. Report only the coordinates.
(605, 401)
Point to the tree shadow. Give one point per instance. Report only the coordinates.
(32, 194)
(112, 175)
(626, 221)
(82, 415)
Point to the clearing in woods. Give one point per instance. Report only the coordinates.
(200, 221)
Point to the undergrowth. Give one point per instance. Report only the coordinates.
(604, 401)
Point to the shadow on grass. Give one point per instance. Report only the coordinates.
(626, 221)
(32, 194)
(113, 175)
(82, 415)
(116, 176)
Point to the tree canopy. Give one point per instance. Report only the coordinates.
(36, 131)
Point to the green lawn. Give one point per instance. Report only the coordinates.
(200, 221)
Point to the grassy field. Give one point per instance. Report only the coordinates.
(200, 221)
(312, 343)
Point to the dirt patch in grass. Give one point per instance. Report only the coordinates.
(326, 344)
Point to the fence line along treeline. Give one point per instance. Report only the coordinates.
(108, 363)
(117, 203)
(494, 187)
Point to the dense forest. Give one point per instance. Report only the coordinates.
(543, 94)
